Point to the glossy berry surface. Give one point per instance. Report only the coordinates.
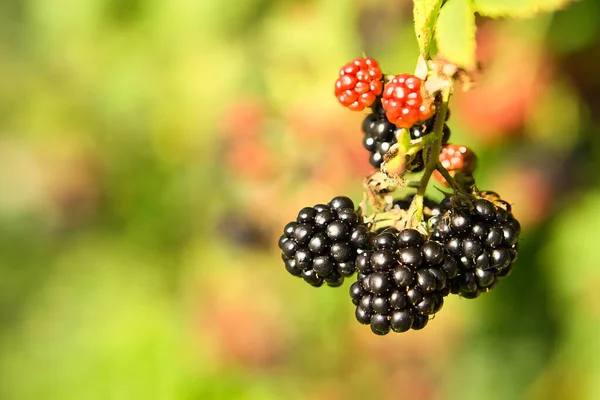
(401, 282)
(482, 237)
(379, 135)
(359, 84)
(321, 245)
(403, 101)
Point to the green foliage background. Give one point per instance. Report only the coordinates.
(135, 133)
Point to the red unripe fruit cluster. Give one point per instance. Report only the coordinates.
(404, 101)
(359, 84)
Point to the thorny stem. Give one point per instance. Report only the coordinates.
(432, 151)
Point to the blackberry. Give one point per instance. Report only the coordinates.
(379, 135)
(322, 244)
(401, 281)
(406, 101)
(359, 84)
(457, 159)
(482, 236)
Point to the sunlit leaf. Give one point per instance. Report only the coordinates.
(455, 33)
(425, 14)
(517, 8)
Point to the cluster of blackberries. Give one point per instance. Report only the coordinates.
(403, 275)
(401, 281)
(482, 236)
(380, 135)
(322, 244)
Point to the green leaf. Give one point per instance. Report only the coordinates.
(425, 15)
(455, 33)
(517, 8)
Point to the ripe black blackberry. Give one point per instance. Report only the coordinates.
(482, 236)
(379, 134)
(401, 281)
(322, 244)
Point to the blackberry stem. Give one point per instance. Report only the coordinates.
(432, 152)
(455, 186)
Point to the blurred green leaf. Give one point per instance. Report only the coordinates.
(426, 14)
(571, 257)
(583, 15)
(572, 254)
(102, 327)
(455, 33)
(517, 8)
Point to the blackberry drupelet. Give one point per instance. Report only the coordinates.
(401, 281)
(483, 238)
(323, 242)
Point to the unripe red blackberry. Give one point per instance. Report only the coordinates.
(456, 159)
(405, 101)
(322, 243)
(359, 84)
(483, 238)
(401, 281)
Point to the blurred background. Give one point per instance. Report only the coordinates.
(151, 152)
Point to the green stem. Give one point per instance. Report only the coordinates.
(455, 186)
(412, 184)
(418, 144)
(432, 152)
